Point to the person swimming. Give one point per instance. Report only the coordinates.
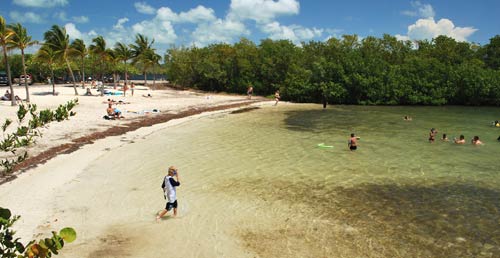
(476, 141)
(432, 135)
(461, 140)
(445, 138)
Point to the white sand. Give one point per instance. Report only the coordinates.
(72, 190)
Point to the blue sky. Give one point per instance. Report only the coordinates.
(189, 22)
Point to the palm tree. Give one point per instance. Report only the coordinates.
(123, 53)
(57, 39)
(99, 49)
(141, 46)
(6, 35)
(80, 50)
(151, 59)
(47, 55)
(21, 40)
(114, 60)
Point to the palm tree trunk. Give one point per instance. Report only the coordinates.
(145, 78)
(25, 77)
(72, 76)
(154, 77)
(9, 77)
(83, 73)
(126, 74)
(52, 80)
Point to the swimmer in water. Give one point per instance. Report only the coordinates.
(476, 141)
(445, 138)
(432, 135)
(461, 140)
(353, 142)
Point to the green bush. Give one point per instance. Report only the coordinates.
(11, 247)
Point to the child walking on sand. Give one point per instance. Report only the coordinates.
(169, 186)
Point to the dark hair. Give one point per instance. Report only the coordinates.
(476, 138)
(352, 135)
(444, 135)
(462, 137)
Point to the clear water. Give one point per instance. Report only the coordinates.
(396, 196)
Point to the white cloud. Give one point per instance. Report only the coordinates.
(218, 31)
(161, 31)
(119, 24)
(26, 17)
(294, 33)
(429, 29)
(196, 15)
(40, 3)
(61, 16)
(72, 31)
(262, 11)
(80, 19)
(420, 10)
(144, 8)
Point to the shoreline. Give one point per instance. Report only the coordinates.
(46, 153)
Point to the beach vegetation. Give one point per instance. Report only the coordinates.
(21, 40)
(12, 247)
(80, 50)
(347, 70)
(26, 133)
(6, 38)
(58, 40)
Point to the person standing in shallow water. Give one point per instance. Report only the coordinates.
(277, 97)
(353, 142)
(432, 135)
(169, 186)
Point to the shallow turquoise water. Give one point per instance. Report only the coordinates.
(396, 196)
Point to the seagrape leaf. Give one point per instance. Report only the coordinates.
(68, 234)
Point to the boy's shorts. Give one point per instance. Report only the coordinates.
(171, 205)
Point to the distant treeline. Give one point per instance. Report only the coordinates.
(370, 71)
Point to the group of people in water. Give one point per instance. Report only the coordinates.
(461, 140)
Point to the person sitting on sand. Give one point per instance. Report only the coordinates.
(461, 140)
(476, 141)
(169, 186)
(113, 112)
(6, 96)
(88, 93)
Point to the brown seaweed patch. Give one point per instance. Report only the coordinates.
(371, 220)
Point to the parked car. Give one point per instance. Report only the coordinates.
(21, 80)
(3, 78)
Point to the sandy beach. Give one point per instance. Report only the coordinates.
(64, 184)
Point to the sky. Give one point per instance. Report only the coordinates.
(200, 23)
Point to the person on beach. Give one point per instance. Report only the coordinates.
(277, 97)
(476, 141)
(132, 87)
(169, 186)
(125, 88)
(432, 135)
(445, 138)
(353, 142)
(88, 92)
(113, 112)
(461, 140)
(249, 92)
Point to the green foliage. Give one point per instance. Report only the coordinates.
(371, 71)
(25, 135)
(11, 247)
